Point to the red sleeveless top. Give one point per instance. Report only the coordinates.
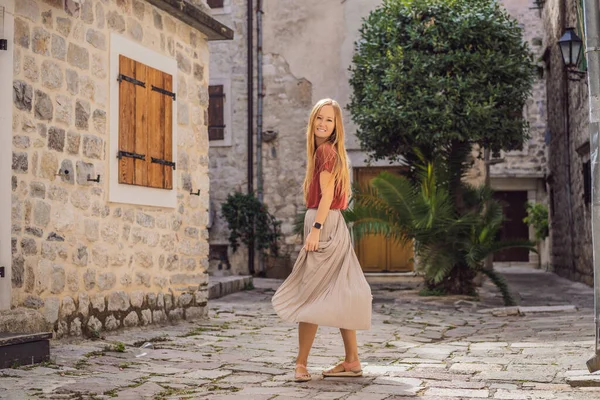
(325, 159)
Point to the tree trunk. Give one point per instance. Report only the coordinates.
(461, 278)
(460, 281)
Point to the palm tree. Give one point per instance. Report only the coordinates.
(451, 245)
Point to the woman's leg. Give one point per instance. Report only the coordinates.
(306, 337)
(350, 345)
(351, 349)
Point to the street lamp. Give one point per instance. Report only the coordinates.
(570, 47)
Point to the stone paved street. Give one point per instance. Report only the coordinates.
(430, 348)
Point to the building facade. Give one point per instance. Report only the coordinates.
(105, 174)
(569, 177)
(519, 177)
(307, 48)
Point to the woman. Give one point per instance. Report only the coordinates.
(327, 285)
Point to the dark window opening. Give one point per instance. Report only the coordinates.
(587, 183)
(215, 3)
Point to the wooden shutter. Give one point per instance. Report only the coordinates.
(215, 3)
(587, 182)
(145, 125)
(127, 122)
(216, 120)
(160, 138)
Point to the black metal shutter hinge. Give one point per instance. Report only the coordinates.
(129, 79)
(163, 162)
(163, 91)
(128, 154)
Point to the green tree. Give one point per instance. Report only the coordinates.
(442, 76)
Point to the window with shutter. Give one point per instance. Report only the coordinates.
(587, 182)
(145, 125)
(215, 3)
(216, 119)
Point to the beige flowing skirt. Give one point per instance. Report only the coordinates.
(326, 287)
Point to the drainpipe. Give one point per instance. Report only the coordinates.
(250, 148)
(259, 113)
(567, 145)
(592, 39)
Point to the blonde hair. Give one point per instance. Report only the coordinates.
(341, 174)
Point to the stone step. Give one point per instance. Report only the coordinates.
(223, 285)
(17, 349)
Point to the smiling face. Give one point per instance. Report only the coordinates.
(325, 122)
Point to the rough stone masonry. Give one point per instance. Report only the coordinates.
(86, 264)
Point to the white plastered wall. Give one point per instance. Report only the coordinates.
(6, 79)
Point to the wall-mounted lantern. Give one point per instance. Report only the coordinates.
(570, 48)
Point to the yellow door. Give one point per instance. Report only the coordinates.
(375, 252)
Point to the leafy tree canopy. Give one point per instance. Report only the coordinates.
(430, 74)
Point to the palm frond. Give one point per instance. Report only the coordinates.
(299, 222)
(511, 244)
(501, 284)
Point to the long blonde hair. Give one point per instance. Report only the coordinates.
(341, 174)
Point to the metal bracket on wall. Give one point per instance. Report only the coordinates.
(89, 178)
(2, 272)
(3, 42)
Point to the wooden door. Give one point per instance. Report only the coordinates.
(513, 228)
(375, 252)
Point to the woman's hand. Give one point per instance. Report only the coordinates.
(312, 240)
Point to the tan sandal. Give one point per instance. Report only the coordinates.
(350, 370)
(302, 377)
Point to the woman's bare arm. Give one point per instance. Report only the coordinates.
(327, 191)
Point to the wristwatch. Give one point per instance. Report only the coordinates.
(317, 225)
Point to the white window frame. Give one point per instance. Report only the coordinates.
(227, 139)
(132, 194)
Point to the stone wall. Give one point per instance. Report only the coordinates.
(569, 138)
(228, 164)
(87, 264)
(531, 160)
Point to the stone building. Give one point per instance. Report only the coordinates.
(307, 47)
(521, 176)
(569, 177)
(103, 211)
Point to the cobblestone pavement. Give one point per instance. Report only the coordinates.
(426, 348)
